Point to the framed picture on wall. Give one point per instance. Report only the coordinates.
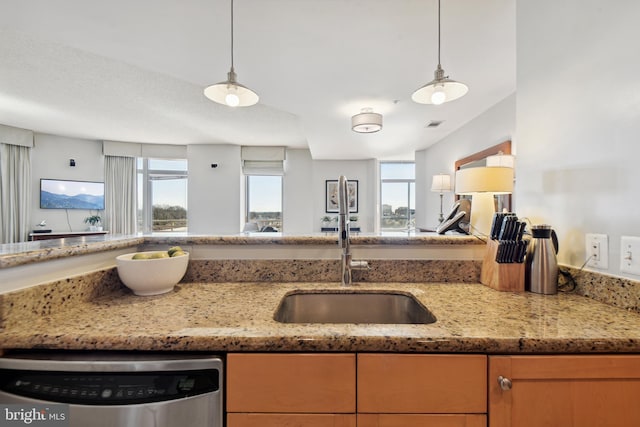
(331, 196)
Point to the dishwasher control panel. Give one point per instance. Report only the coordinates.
(112, 388)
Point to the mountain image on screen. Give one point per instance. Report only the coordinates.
(62, 201)
(67, 194)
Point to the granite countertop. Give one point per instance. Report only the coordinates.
(239, 317)
(15, 254)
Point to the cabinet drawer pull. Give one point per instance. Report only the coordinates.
(504, 383)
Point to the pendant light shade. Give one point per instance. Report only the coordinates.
(441, 89)
(230, 92)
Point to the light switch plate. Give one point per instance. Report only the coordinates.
(597, 251)
(630, 255)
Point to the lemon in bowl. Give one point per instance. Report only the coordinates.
(152, 272)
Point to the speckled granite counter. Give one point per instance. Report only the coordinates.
(239, 317)
(319, 239)
(15, 254)
(228, 305)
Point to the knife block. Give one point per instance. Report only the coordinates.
(508, 277)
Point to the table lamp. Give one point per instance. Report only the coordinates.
(441, 183)
(482, 184)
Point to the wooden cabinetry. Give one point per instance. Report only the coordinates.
(290, 420)
(316, 390)
(422, 383)
(564, 391)
(422, 390)
(422, 420)
(425, 390)
(319, 390)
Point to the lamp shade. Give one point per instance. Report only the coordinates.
(482, 184)
(231, 93)
(366, 122)
(439, 91)
(496, 180)
(441, 183)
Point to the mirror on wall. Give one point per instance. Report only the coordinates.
(479, 159)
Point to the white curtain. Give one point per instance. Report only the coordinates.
(120, 193)
(15, 193)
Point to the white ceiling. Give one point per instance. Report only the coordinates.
(134, 70)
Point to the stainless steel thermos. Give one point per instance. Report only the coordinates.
(541, 271)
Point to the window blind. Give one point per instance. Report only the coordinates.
(263, 160)
(135, 149)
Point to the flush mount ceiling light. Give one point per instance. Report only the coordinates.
(230, 92)
(441, 89)
(367, 121)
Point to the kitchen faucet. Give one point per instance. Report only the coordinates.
(343, 233)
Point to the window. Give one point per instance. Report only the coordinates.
(397, 195)
(162, 195)
(264, 201)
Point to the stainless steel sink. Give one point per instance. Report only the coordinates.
(352, 307)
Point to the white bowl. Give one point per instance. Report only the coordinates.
(151, 276)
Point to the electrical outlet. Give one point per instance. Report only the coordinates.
(630, 255)
(597, 251)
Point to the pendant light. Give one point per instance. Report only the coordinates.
(230, 92)
(441, 89)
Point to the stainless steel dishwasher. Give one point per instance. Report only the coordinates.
(117, 389)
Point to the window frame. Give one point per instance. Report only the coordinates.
(247, 195)
(408, 181)
(149, 175)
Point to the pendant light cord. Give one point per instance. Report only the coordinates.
(438, 32)
(232, 35)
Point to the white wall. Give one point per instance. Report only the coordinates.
(363, 171)
(578, 120)
(492, 127)
(298, 210)
(215, 195)
(50, 159)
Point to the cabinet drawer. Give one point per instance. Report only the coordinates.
(418, 420)
(296, 383)
(417, 383)
(291, 420)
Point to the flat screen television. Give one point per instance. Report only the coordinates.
(65, 194)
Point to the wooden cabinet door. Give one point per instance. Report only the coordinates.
(564, 391)
(291, 383)
(420, 420)
(422, 383)
(291, 420)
